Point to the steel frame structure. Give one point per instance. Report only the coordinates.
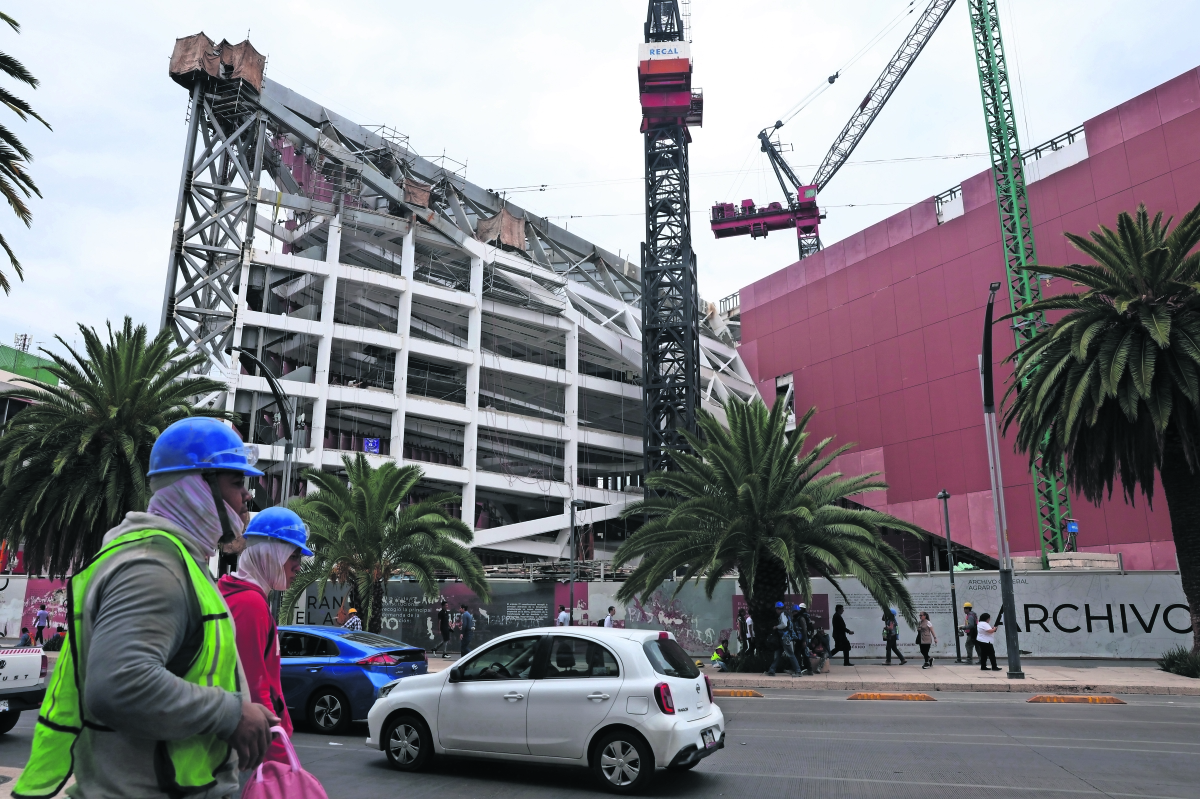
(670, 299)
(1016, 230)
(303, 236)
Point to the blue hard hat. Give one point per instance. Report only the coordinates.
(199, 443)
(778, 604)
(282, 524)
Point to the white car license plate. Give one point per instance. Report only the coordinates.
(3, 705)
(709, 737)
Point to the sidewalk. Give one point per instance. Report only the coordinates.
(1038, 679)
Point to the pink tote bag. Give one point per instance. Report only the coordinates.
(274, 780)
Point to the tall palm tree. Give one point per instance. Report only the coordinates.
(1114, 385)
(15, 183)
(364, 533)
(752, 502)
(74, 462)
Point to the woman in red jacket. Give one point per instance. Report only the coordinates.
(275, 543)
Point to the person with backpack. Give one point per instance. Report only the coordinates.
(841, 636)
(782, 640)
(970, 629)
(276, 541)
(802, 628)
(890, 636)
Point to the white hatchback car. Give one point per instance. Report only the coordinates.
(622, 702)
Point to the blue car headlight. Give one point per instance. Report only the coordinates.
(387, 689)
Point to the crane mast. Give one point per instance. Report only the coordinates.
(803, 213)
(1016, 230)
(670, 313)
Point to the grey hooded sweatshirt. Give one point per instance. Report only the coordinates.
(142, 626)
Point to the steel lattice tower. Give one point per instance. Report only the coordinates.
(1016, 230)
(670, 318)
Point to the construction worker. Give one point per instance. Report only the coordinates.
(275, 545)
(147, 700)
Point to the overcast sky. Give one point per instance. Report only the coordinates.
(532, 92)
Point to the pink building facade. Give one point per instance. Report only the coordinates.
(881, 331)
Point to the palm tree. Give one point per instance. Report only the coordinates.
(74, 462)
(751, 502)
(15, 183)
(1114, 385)
(364, 533)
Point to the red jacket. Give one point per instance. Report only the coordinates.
(258, 646)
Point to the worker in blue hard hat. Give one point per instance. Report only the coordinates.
(275, 544)
(783, 638)
(148, 700)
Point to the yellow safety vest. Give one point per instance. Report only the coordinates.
(192, 762)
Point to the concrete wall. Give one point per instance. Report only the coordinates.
(882, 330)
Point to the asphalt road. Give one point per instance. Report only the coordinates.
(818, 744)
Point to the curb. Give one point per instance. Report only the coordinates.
(1011, 687)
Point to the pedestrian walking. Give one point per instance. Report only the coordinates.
(354, 622)
(610, 620)
(783, 643)
(970, 629)
(890, 634)
(743, 633)
(153, 648)
(986, 643)
(564, 618)
(926, 638)
(41, 621)
(841, 636)
(443, 616)
(800, 631)
(276, 540)
(466, 626)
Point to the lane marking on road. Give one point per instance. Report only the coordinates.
(734, 730)
(1063, 719)
(892, 697)
(919, 740)
(1076, 699)
(1039, 789)
(741, 692)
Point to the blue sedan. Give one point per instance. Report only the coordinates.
(332, 676)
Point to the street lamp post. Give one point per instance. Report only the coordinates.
(993, 445)
(944, 496)
(575, 503)
(289, 420)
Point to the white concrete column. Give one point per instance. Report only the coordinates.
(571, 416)
(471, 432)
(403, 321)
(333, 250)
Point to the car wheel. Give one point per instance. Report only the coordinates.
(623, 762)
(329, 711)
(8, 720)
(408, 744)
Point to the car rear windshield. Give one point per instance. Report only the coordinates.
(667, 657)
(371, 639)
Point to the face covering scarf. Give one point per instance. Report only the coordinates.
(263, 563)
(187, 500)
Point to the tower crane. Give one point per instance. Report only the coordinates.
(802, 212)
(670, 312)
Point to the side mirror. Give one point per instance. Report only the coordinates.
(455, 673)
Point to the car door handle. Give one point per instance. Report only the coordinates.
(598, 697)
(315, 669)
(513, 696)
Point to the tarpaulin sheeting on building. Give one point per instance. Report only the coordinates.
(199, 53)
(503, 226)
(416, 192)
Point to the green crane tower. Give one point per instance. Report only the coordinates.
(1016, 230)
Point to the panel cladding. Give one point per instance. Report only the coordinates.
(920, 409)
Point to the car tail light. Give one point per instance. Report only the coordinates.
(382, 659)
(662, 695)
(45, 667)
(708, 685)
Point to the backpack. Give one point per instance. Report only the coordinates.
(274, 780)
